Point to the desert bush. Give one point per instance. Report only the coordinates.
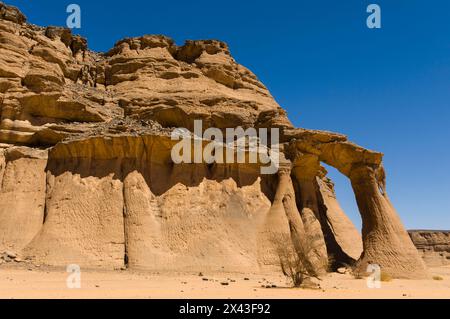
(294, 259)
(385, 277)
(357, 275)
(437, 278)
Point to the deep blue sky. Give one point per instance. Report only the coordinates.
(387, 89)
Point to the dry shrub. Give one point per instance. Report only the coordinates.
(357, 275)
(385, 277)
(294, 259)
(437, 278)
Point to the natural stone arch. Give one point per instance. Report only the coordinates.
(43, 106)
(385, 240)
(314, 193)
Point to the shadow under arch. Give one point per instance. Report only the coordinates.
(150, 156)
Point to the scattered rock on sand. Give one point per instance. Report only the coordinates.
(342, 270)
(8, 256)
(310, 283)
(11, 254)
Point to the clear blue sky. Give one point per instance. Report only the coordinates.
(387, 89)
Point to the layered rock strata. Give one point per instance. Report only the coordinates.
(433, 245)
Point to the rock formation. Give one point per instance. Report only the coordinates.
(87, 178)
(434, 246)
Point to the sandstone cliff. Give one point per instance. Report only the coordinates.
(434, 246)
(86, 174)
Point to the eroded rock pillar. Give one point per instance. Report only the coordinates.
(302, 231)
(22, 196)
(276, 225)
(343, 242)
(385, 240)
(305, 171)
(144, 245)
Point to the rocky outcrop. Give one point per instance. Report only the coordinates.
(11, 13)
(48, 76)
(87, 177)
(433, 245)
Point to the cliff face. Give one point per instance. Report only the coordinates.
(87, 177)
(434, 246)
(50, 80)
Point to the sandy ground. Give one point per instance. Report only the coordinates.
(46, 283)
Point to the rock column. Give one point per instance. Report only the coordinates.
(385, 240)
(303, 230)
(22, 196)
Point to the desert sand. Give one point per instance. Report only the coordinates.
(51, 283)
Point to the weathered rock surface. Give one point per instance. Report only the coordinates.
(86, 175)
(22, 196)
(434, 246)
(117, 201)
(345, 240)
